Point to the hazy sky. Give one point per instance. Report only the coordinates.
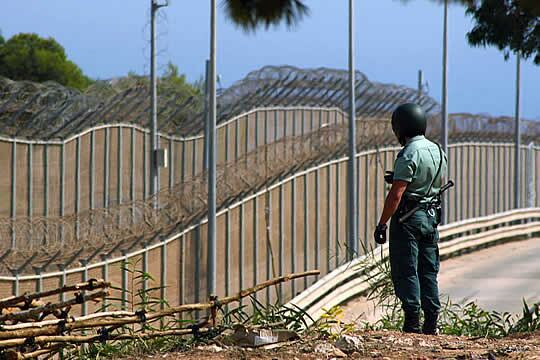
(110, 38)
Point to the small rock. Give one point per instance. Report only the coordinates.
(339, 354)
(211, 348)
(349, 344)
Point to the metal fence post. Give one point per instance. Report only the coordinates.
(255, 242)
(62, 187)
(163, 277)
(241, 249)
(119, 169)
(106, 171)
(13, 191)
(281, 239)
(338, 214)
(227, 251)
(306, 230)
(92, 165)
(317, 221)
(132, 177)
(77, 182)
(30, 180)
(293, 233)
(531, 176)
(45, 180)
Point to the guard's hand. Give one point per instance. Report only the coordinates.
(380, 234)
(389, 177)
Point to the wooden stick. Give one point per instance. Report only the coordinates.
(41, 324)
(89, 285)
(233, 298)
(49, 308)
(125, 318)
(81, 339)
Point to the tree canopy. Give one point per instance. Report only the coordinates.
(253, 14)
(30, 57)
(513, 26)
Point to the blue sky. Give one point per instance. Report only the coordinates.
(110, 38)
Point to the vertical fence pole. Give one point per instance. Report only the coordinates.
(163, 273)
(293, 233)
(517, 136)
(13, 191)
(485, 179)
(145, 166)
(106, 170)
(227, 252)
(77, 182)
(91, 168)
(329, 216)
(132, 177)
(255, 238)
(62, 186)
(119, 165)
(30, 180)
(317, 220)
(125, 270)
(206, 113)
(352, 209)
(45, 180)
(366, 204)
(171, 163)
(241, 248)
(337, 204)
(281, 239)
(211, 275)
(530, 169)
(306, 230)
(420, 83)
(84, 305)
(444, 113)
(105, 275)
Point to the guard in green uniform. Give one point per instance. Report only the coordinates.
(414, 253)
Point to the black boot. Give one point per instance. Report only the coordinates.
(411, 323)
(430, 324)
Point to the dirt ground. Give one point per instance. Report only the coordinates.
(376, 345)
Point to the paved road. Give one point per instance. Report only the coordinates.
(497, 278)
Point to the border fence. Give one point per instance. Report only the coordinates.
(77, 206)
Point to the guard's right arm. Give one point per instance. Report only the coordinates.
(392, 200)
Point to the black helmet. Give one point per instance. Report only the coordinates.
(408, 120)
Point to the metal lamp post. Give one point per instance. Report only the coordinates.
(211, 271)
(444, 113)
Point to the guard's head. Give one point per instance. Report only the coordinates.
(408, 120)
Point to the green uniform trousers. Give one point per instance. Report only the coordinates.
(414, 261)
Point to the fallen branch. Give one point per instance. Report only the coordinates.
(82, 339)
(51, 307)
(26, 299)
(59, 327)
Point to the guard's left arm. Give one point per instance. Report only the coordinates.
(392, 200)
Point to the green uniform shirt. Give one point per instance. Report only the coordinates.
(417, 163)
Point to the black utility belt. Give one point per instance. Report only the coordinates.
(408, 205)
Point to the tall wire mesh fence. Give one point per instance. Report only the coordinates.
(77, 177)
